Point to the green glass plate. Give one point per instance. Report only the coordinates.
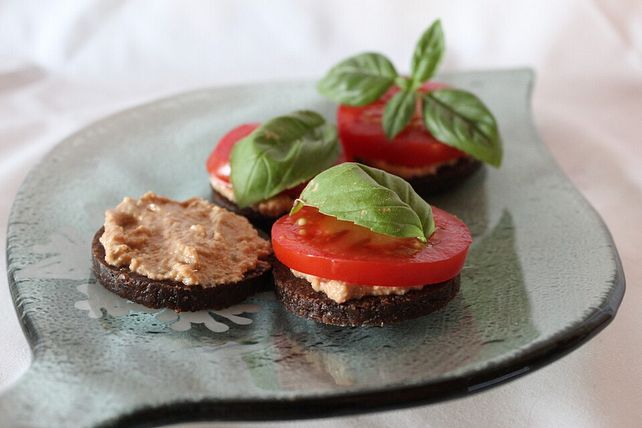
(543, 276)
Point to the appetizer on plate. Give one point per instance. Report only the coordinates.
(430, 134)
(259, 170)
(187, 256)
(360, 247)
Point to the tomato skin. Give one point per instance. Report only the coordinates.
(347, 254)
(218, 162)
(363, 137)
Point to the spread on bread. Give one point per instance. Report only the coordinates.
(191, 242)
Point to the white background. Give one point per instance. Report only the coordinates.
(64, 64)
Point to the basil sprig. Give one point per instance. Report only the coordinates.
(280, 154)
(369, 197)
(455, 117)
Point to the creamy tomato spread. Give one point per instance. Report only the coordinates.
(341, 292)
(408, 172)
(193, 242)
(272, 207)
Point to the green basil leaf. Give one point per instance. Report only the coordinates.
(398, 112)
(369, 197)
(281, 154)
(358, 80)
(428, 53)
(459, 119)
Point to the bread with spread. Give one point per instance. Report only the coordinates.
(360, 247)
(187, 256)
(259, 170)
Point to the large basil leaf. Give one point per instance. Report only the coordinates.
(358, 80)
(428, 53)
(369, 197)
(398, 112)
(281, 154)
(459, 119)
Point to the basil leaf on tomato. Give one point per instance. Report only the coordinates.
(369, 197)
(398, 112)
(281, 154)
(358, 80)
(460, 119)
(428, 53)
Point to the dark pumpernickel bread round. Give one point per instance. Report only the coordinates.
(172, 294)
(298, 297)
(446, 177)
(256, 218)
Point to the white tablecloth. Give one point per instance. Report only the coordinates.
(65, 64)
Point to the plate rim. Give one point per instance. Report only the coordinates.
(350, 403)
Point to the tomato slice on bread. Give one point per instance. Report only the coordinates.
(316, 244)
(363, 138)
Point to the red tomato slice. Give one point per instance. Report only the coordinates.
(362, 135)
(320, 245)
(218, 163)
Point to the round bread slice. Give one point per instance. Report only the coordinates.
(259, 220)
(173, 294)
(298, 297)
(446, 177)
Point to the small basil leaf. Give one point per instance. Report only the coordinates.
(369, 197)
(358, 80)
(398, 112)
(281, 154)
(459, 119)
(428, 53)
